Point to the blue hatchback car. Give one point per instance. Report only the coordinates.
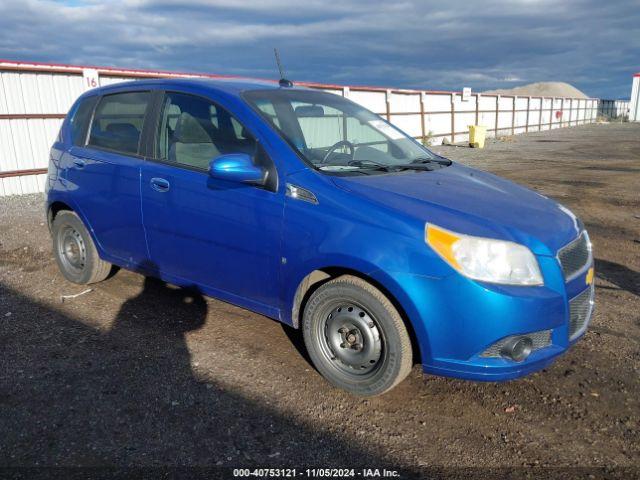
(307, 208)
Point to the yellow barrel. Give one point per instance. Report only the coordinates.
(477, 134)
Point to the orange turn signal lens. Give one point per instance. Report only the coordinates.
(590, 274)
(442, 242)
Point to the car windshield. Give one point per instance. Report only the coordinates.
(337, 135)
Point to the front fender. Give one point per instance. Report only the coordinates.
(399, 288)
(293, 278)
(346, 232)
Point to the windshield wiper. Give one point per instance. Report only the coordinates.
(413, 166)
(424, 160)
(369, 165)
(365, 165)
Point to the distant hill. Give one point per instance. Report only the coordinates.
(543, 89)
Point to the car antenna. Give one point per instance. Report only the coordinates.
(283, 82)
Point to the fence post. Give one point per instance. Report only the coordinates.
(540, 114)
(561, 112)
(553, 101)
(453, 117)
(422, 119)
(526, 127)
(345, 133)
(570, 110)
(387, 98)
(497, 113)
(513, 115)
(477, 108)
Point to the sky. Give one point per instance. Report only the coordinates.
(592, 44)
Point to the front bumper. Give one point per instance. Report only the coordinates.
(495, 370)
(456, 320)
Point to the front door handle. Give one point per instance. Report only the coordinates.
(160, 184)
(79, 163)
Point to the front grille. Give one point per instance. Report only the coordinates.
(539, 340)
(575, 256)
(580, 310)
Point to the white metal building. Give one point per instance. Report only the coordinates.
(634, 105)
(34, 98)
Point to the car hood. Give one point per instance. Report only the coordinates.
(473, 202)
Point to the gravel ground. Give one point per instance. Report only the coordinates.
(139, 373)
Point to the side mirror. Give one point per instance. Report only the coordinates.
(237, 167)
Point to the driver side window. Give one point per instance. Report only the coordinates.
(193, 131)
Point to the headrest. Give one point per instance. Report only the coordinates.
(311, 111)
(189, 130)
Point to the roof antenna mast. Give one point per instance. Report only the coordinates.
(283, 82)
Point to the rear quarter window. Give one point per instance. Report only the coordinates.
(80, 118)
(117, 121)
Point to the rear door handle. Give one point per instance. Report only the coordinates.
(160, 184)
(79, 163)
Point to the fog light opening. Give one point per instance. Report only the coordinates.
(517, 349)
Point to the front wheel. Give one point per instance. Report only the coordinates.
(355, 337)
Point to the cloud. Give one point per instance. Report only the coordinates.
(593, 45)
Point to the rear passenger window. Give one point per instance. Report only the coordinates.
(193, 131)
(80, 120)
(117, 121)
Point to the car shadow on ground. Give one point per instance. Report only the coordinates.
(619, 275)
(296, 338)
(130, 397)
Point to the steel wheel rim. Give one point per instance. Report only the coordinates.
(351, 340)
(72, 250)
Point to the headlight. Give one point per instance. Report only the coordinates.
(485, 259)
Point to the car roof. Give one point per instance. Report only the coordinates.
(233, 86)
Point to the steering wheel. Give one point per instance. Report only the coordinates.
(335, 146)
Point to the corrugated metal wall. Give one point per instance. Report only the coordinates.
(35, 97)
(634, 106)
(31, 109)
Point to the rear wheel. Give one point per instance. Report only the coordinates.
(75, 252)
(356, 338)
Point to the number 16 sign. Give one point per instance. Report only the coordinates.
(90, 78)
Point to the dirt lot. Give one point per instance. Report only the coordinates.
(138, 373)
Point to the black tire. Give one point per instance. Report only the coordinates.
(75, 252)
(355, 337)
